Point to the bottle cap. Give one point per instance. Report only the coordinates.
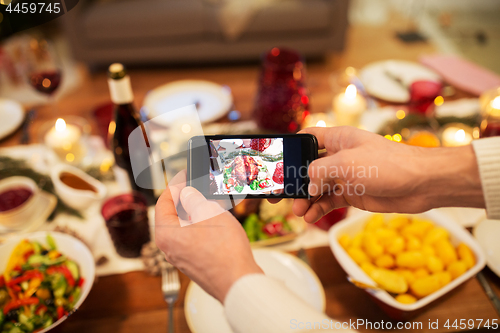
(116, 71)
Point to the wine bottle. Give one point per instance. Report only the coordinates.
(126, 119)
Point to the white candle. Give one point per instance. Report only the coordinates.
(454, 136)
(494, 109)
(349, 107)
(62, 135)
(318, 120)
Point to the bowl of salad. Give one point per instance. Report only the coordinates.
(44, 278)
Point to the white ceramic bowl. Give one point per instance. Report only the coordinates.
(77, 199)
(393, 308)
(68, 246)
(16, 218)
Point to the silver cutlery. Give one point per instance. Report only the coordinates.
(170, 287)
(489, 291)
(25, 134)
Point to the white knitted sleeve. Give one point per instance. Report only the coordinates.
(259, 304)
(488, 160)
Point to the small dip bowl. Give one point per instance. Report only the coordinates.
(18, 200)
(76, 188)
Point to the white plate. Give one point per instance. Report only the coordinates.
(11, 117)
(214, 100)
(380, 85)
(356, 223)
(204, 314)
(487, 233)
(67, 245)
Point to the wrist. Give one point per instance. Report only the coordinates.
(232, 276)
(450, 178)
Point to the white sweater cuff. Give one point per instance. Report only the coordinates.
(488, 160)
(257, 303)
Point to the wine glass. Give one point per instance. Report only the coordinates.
(44, 73)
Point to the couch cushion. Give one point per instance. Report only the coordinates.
(142, 20)
(281, 17)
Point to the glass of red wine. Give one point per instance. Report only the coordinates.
(44, 72)
(126, 218)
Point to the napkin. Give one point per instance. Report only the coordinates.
(462, 73)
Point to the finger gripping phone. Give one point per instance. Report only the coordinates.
(251, 166)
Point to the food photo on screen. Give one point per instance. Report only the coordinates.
(246, 166)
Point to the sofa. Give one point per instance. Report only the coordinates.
(190, 31)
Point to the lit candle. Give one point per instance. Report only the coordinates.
(349, 107)
(456, 135)
(494, 109)
(318, 120)
(64, 140)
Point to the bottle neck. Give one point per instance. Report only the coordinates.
(121, 90)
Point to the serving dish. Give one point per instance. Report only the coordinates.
(388, 303)
(17, 217)
(77, 198)
(68, 246)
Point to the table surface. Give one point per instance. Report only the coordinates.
(133, 302)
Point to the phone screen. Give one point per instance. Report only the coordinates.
(259, 166)
(247, 166)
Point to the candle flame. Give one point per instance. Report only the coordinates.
(350, 92)
(321, 123)
(60, 125)
(460, 135)
(496, 103)
(186, 128)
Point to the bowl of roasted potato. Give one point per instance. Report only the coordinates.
(409, 260)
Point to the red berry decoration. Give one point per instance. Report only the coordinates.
(278, 173)
(260, 144)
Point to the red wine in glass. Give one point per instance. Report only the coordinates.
(46, 82)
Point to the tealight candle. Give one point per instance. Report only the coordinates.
(318, 120)
(349, 107)
(456, 135)
(64, 139)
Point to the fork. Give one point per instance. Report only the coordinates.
(170, 287)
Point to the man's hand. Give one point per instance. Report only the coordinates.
(215, 252)
(367, 171)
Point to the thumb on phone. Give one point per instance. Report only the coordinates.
(197, 206)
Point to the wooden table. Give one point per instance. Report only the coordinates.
(133, 302)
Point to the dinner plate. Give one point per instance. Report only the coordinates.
(204, 314)
(211, 99)
(11, 117)
(381, 79)
(486, 234)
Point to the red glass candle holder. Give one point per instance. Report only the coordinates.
(126, 218)
(282, 100)
(422, 96)
(327, 221)
(490, 127)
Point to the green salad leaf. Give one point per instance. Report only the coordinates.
(254, 185)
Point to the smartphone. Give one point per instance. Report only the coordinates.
(251, 166)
